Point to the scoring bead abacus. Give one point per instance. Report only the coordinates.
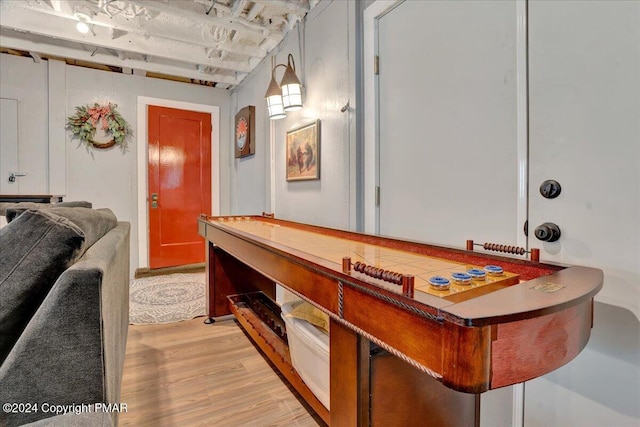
(378, 273)
(518, 250)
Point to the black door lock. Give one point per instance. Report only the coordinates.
(14, 175)
(547, 232)
(550, 189)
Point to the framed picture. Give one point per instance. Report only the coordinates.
(245, 125)
(303, 152)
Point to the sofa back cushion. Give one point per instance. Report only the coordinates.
(36, 248)
(94, 223)
(31, 205)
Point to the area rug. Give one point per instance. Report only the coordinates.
(166, 299)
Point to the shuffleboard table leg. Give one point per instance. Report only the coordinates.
(209, 320)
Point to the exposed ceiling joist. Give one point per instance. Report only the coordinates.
(200, 16)
(23, 21)
(111, 60)
(217, 41)
(287, 7)
(201, 35)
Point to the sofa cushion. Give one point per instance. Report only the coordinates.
(31, 205)
(94, 223)
(41, 246)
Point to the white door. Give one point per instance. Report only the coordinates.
(448, 132)
(452, 140)
(9, 146)
(585, 133)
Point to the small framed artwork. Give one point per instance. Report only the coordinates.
(303, 152)
(245, 125)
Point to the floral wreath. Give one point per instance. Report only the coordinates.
(83, 124)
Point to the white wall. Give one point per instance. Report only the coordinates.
(9, 146)
(323, 57)
(26, 81)
(107, 178)
(250, 176)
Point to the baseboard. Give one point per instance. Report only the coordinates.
(191, 268)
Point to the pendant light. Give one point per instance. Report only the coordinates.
(291, 87)
(274, 100)
(286, 96)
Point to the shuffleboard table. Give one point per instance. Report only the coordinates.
(417, 331)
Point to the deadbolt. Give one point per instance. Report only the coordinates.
(550, 189)
(154, 200)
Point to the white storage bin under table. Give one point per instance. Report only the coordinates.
(309, 349)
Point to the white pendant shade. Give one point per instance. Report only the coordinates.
(276, 107)
(292, 97)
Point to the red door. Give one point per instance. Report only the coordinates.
(179, 184)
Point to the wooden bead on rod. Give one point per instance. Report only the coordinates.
(407, 282)
(504, 248)
(517, 250)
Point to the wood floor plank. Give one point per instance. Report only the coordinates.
(193, 374)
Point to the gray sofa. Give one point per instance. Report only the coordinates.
(64, 314)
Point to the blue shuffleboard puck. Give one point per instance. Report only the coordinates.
(461, 278)
(477, 274)
(439, 283)
(493, 270)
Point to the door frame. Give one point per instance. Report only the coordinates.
(142, 166)
(371, 153)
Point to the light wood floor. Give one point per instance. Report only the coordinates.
(192, 374)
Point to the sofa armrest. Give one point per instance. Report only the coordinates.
(72, 350)
(111, 254)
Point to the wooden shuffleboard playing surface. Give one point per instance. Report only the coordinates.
(334, 249)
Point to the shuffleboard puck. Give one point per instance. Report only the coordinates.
(477, 274)
(439, 283)
(493, 270)
(461, 278)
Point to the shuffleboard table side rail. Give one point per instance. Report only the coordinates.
(512, 303)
